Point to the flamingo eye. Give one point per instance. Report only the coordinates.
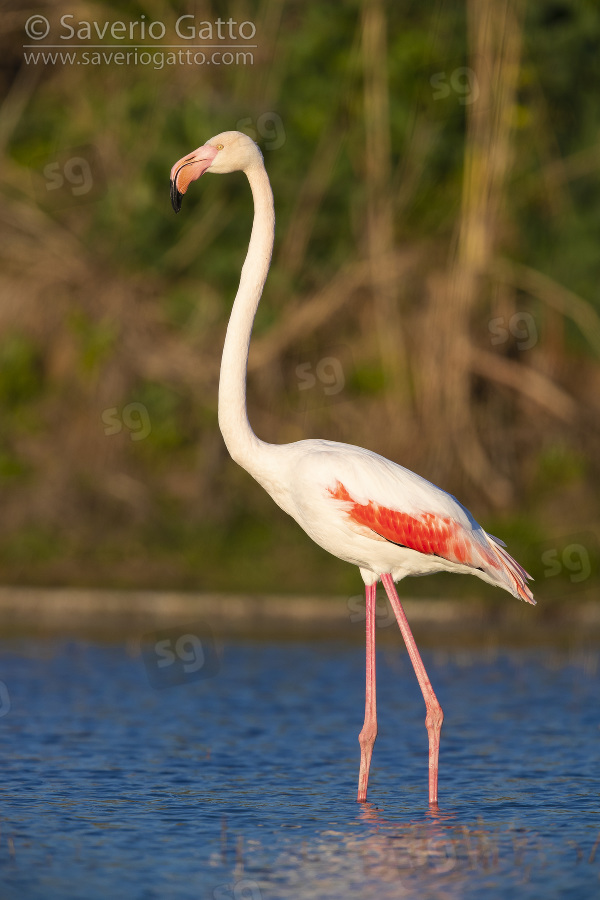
(219, 146)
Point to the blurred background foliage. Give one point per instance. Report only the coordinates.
(434, 293)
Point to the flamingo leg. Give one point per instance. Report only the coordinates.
(435, 715)
(368, 734)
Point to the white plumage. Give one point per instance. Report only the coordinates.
(354, 503)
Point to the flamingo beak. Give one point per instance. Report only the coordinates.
(189, 169)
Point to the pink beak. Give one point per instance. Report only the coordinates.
(188, 169)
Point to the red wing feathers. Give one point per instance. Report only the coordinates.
(427, 533)
(432, 534)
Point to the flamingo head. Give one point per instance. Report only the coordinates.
(230, 151)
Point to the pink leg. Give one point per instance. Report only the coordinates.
(368, 734)
(435, 715)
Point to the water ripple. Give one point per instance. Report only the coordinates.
(242, 786)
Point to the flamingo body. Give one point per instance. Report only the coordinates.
(380, 516)
(358, 505)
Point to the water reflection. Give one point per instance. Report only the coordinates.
(438, 858)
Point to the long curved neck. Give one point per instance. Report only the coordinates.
(242, 443)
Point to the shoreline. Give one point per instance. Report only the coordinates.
(114, 614)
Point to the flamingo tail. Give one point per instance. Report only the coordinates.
(513, 573)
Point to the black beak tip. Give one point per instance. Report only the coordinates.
(176, 197)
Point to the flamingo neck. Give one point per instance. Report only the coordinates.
(242, 444)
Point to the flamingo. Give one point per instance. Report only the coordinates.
(358, 505)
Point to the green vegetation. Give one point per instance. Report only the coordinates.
(436, 171)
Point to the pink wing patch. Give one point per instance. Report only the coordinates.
(427, 533)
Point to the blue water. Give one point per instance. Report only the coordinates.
(242, 785)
